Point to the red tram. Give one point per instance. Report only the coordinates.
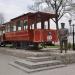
(28, 29)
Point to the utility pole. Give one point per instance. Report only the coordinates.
(70, 21)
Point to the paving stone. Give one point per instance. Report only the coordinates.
(38, 69)
(32, 64)
(40, 59)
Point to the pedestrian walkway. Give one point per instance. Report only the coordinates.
(6, 69)
(47, 58)
(25, 53)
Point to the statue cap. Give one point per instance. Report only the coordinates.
(62, 24)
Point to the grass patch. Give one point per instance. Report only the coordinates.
(9, 46)
(56, 46)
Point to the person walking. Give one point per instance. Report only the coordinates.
(63, 34)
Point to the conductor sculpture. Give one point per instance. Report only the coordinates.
(63, 34)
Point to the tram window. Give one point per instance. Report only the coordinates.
(19, 28)
(1, 32)
(14, 28)
(39, 25)
(8, 28)
(25, 25)
(46, 25)
(32, 26)
(19, 25)
(11, 28)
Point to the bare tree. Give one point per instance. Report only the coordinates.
(72, 11)
(58, 7)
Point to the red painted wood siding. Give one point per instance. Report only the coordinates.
(36, 35)
(17, 36)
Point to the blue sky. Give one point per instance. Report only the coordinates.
(13, 8)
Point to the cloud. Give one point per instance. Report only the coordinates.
(13, 8)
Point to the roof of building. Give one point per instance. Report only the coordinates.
(30, 14)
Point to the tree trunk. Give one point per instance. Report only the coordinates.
(56, 20)
(57, 26)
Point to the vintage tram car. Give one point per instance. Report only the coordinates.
(28, 29)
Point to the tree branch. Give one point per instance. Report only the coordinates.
(61, 16)
(60, 4)
(53, 20)
(60, 10)
(49, 2)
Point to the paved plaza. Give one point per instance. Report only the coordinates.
(6, 69)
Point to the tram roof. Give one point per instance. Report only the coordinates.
(37, 14)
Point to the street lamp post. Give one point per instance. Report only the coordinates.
(73, 37)
(70, 21)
